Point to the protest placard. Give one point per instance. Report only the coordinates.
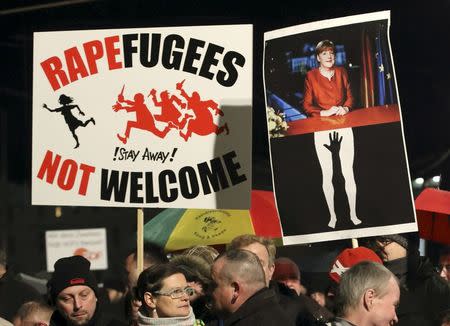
(147, 117)
(89, 243)
(335, 131)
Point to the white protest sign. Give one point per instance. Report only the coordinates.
(148, 117)
(89, 243)
(336, 138)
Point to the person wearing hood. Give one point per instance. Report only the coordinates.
(198, 275)
(425, 296)
(13, 291)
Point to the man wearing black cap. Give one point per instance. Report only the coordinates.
(424, 296)
(73, 290)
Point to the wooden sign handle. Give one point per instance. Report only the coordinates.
(140, 240)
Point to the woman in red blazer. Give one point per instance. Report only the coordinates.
(328, 93)
(327, 88)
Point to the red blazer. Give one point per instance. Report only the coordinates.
(322, 94)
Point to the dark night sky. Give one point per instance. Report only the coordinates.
(419, 37)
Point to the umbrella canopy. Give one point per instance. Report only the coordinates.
(433, 209)
(178, 228)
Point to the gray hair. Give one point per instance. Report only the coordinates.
(243, 265)
(248, 239)
(357, 280)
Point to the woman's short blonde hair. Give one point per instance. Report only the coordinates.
(325, 45)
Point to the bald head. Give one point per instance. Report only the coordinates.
(237, 275)
(243, 265)
(263, 248)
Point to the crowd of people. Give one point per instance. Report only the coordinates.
(382, 282)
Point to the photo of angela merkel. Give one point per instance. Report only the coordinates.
(327, 88)
(328, 93)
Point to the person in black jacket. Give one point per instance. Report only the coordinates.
(13, 292)
(424, 295)
(73, 290)
(301, 309)
(239, 292)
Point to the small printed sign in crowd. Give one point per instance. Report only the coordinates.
(89, 243)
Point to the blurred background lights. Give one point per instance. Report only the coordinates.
(419, 181)
(436, 178)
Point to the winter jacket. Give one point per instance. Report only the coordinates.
(14, 293)
(261, 309)
(302, 310)
(424, 295)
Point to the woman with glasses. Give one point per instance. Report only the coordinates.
(164, 293)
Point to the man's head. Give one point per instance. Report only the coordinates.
(73, 289)
(237, 275)
(33, 313)
(153, 254)
(287, 272)
(444, 264)
(389, 247)
(263, 248)
(368, 295)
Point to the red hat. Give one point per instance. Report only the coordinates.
(349, 257)
(285, 268)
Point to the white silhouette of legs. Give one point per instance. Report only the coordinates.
(346, 154)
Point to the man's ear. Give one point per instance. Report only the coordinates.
(149, 300)
(236, 291)
(271, 270)
(368, 298)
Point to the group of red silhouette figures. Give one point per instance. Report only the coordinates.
(201, 123)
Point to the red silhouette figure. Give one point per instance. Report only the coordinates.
(144, 118)
(203, 123)
(66, 110)
(169, 113)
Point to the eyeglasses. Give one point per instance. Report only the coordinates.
(177, 293)
(441, 267)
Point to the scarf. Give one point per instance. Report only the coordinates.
(188, 320)
(399, 267)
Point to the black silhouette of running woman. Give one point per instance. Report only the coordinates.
(66, 110)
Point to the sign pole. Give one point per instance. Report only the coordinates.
(140, 240)
(355, 243)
